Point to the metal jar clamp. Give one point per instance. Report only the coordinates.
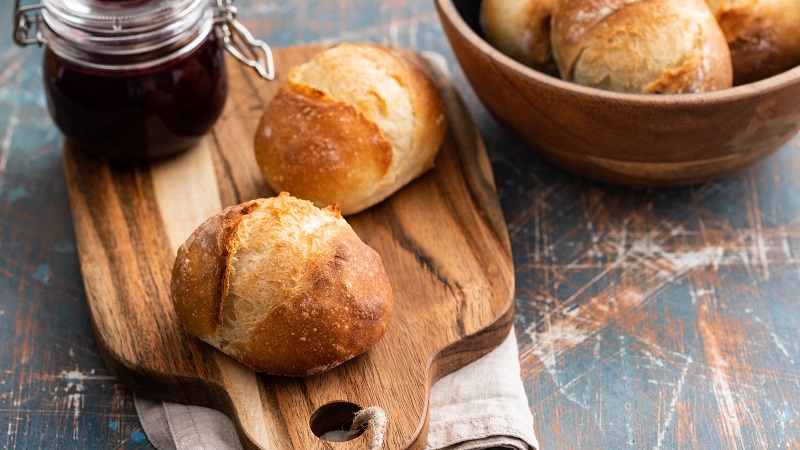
(31, 27)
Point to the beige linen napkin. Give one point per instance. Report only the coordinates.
(480, 406)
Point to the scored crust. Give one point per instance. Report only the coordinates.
(641, 46)
(763, 36)
(200, 275)
(313, 145)
(333, 317)
(352, 126)
(282, 286)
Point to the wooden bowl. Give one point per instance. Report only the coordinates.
(636, 139)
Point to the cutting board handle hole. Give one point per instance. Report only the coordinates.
(332, 422)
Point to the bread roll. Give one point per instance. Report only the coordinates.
(282, 286)
(521, 30)
(352, 126)
(640, 46)
(763, 35)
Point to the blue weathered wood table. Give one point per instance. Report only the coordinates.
(646, 318)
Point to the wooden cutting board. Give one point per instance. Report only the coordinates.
(442, 239)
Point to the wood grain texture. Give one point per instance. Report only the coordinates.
(603, 368)
(627, 139)
(453, 291)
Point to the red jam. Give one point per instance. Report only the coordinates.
(138, 115)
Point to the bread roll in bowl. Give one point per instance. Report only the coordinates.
(640, 46)
(281, 286)
(352, 126)
(763, 36)
(521, 30)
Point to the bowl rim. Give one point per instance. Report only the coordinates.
(741, 92)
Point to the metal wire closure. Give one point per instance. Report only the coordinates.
(240, 42)
(87, 37)
(28, 27)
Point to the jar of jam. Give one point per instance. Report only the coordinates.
(137, 80)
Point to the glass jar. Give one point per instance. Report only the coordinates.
(137, 80)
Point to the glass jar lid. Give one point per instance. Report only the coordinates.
(125, 35)
(135, 34)
(127, 17)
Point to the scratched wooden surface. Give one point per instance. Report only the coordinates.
(646, 318)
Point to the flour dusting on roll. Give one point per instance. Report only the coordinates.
(282, 286)
(763, 35)
(353, 125)
(640, 46)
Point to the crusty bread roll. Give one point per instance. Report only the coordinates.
(352, 126)
(282, 286)
(521, 30)
(763, 35)
(640, 46)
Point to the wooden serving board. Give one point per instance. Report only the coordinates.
(442, 239)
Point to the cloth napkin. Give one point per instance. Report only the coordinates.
(480, 406)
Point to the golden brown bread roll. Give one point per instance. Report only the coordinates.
(282, 286)
(521, 30)
(640, 46)
(352, 126)
(763, 36)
